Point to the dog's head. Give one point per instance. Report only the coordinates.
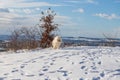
(57, 38)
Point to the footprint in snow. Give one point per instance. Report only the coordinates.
(65, 73)
(81, 79)
(83, 67)
(45, 69)
(1, 62)
(61, 68)
(6, 74)
(33, 61)
(115, 73)
(51, 63)
(30, 75)
(96, 78)
(47, 79)
(102, 74)
(41, 74)
(99, 62)
(2, 78)
(22, 66)
(81, 62)
(15, 70)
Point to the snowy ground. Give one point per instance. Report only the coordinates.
(71, 63)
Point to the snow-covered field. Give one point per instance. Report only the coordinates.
(70, 63)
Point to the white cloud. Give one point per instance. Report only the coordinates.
(10, 21)
(12, 10)
(65, 21)
(38, 9)
(82, 1)
(72, 1)
(107, 16)
(27, 11)
(62, 19)
(7, 17)
(13, 19)
(91, 1)
(24, 11)
(80, 10)
(23, 4)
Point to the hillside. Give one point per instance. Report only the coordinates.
(70, 63)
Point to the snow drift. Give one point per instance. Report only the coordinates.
(71, 63)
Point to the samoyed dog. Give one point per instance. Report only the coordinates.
(57, 41)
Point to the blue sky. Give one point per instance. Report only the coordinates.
(88, 18)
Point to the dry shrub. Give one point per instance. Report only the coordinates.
(47, 28)
(23, 38)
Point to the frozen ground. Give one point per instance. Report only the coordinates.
(71, 63)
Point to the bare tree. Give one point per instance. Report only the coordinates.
(29, 37)
(110, 40)
(23, 38)
(14, 40)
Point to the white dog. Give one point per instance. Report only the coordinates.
(56, 42)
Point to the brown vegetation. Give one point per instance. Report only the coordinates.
(23, 38)
(48, 28)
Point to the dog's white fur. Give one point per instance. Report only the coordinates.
(56, 42)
